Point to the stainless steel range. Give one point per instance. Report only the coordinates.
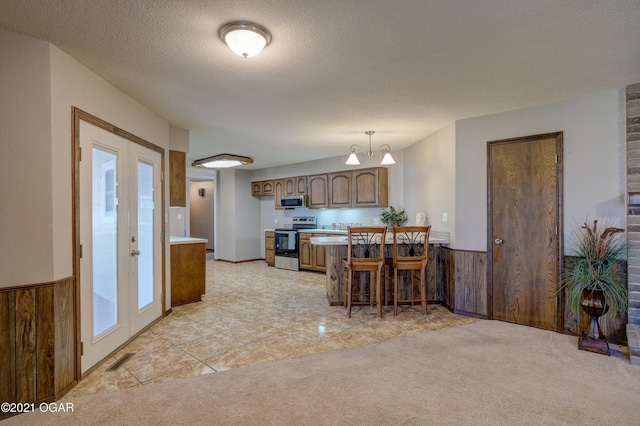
(287, 242)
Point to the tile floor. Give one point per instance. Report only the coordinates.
(253, 314)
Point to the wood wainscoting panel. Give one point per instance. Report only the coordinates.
(432, 275)
(38, 331)
(463, 278)
(471, 283)
(45, 343)
(65, 335)
(26, 345)
(7, 347)
(446, 262)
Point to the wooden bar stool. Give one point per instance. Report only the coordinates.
(410, 253)
(365, 254)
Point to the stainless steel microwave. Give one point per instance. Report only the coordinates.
(294, 201)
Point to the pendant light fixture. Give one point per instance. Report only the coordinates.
(244, 38)
(355, 148)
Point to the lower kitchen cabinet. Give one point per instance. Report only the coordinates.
(269, 248)
(188, 270)
(304, 251)
(312, 257)
(319, 257)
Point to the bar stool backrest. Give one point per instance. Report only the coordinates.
(411, 243)
(366, 243)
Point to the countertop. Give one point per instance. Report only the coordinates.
(185, 240)
(342, 241)
(317, 231)
(435, 237)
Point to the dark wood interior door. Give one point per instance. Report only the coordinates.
(524, 232)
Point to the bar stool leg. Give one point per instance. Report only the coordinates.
(372, 288)
(349, 288)
(423, 290)
(395, 291)
(379, 291)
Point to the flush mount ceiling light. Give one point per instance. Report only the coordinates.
(222, 161)
(244, 38)
(353, 158)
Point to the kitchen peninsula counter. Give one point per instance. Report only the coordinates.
(336, 250)
(342, 240)
(188, 269)
(316, 231)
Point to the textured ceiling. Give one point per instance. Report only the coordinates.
(336, 68)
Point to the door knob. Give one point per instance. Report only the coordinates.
(498, 241)
(135, 252)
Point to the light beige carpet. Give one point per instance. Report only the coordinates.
(485, 373)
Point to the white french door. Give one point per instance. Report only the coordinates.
(120, 234)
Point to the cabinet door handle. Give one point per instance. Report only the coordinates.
(498, 241)
(135, 252)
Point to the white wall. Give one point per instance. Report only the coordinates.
(26, 213)
(73, 84)
(594, 161)
(238, 232)
(248, 232)
(429, 179)
(225, 212)
(39, 86)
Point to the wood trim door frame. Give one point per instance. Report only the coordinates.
(78, 115)
(558, 136)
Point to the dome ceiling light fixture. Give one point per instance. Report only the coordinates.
(355, 148)
(222, 161)
(245, 38)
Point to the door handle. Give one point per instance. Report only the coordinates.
(498, 241)
(135, 252)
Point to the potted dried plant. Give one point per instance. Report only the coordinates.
(596, 282)
(393, 217)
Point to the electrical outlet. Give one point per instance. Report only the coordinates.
(444, 218)
(376, 221)
(275, 220)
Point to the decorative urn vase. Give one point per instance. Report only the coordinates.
(594, 304)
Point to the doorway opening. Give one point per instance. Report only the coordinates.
(202, 211)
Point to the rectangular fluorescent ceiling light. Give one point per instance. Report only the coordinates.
(222, 161)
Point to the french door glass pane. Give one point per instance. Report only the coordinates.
(145, 234)
(105, 238)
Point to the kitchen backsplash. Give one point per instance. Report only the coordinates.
(325, 218)
(177, 221)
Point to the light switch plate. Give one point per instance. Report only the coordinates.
(444, 217)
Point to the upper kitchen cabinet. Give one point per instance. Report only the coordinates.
(370, 187)
(295, 186)
(350, 188)
(262, 187)
(177, 179)
(278, 192)
(340, 189)
(359, 188)
(318, 191)
(301, 185)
